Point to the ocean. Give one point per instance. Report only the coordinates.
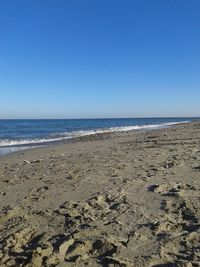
(21, 134)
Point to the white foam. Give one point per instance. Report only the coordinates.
(70, 135)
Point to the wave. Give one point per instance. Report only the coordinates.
(74, 134)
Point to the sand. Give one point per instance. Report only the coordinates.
(124, 199)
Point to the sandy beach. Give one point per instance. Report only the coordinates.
(120, 199)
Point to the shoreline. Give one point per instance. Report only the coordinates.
(89, 137)
(120, 199)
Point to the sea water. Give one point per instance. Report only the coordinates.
(21, 134)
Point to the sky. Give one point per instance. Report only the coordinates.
(99, 58)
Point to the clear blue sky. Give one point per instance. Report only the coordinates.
(99, 58)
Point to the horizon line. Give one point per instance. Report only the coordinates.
(96, 118)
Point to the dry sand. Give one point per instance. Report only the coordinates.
(127, 199)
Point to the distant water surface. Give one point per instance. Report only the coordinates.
(20, 134)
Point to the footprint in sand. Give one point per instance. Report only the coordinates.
(178, 231)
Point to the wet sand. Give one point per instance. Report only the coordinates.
(124, 199)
